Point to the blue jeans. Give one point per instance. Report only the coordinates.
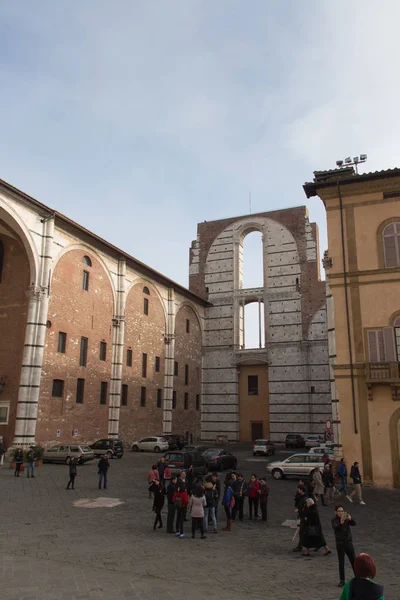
(103, 475)
(30, 469)
(343, 485)
(209, 510)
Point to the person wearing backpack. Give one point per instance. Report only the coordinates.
(211, 496)
(228, 502)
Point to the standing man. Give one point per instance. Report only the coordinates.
(103, 467)
(161, 469)
(239, 489)
(217, 484)
(264, 493)
(356, 477)
(253, 494)
(73, 471)
(171, 506)
(181, 501)
(341, 524)
(342, 472)
(30, 457)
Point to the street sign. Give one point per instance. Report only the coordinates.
(328, 435)
(75, 433)
(58, 432)
(328, 424)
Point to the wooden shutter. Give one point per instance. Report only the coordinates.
(376, 346)
(391, 245)
(390, 345)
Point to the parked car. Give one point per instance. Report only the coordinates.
(61, 453)
(321, 451)
(194, 448)
(113, 448)
(219, 459)
(314, 440)
(298, 465)
(182, 460)
(151, 444)
(294, 440)
(263, 447)
(175, 441)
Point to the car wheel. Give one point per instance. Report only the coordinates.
(277, 474)
(135, 448)
(157, 449)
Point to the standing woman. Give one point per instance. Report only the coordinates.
(362, 585)
(19, 461)
(72, 472)
(318, 485)
(313, 535)
(228, 502)
(158, 490)
(253, 494)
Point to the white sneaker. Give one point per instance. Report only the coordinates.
(362, 502)
(349, 499)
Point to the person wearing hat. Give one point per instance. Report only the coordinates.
(103, 467)
(362, 585)
(313, 535)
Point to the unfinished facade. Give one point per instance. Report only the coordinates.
(282, 385)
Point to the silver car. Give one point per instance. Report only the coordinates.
(62, 452)
(298, 465)
(151, 444)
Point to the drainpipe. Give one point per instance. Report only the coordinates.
(353, 394)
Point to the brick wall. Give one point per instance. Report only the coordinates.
(77, 313)
(13, 310)
(144, 334)
(187, 352)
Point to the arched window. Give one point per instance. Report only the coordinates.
(391, 244)
(1, 259)
(146, 291)
(252, 261)
(86, 261)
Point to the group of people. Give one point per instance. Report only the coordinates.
(324, 485)
(187, 492)
(102, 471)
(30, 460)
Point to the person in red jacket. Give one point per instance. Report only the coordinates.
(253, 494)
(181, 501)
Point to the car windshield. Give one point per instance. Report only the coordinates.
(260, 442)
(86, 449)
(211, 453)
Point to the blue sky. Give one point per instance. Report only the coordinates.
(140, 119)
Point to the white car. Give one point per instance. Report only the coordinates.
(151, 444)
(298, 465)
(321, 450)
(313, 440)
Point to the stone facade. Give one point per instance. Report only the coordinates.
(293, 301)
(43, 257)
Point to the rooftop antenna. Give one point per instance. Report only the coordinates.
(250, 203)
(347, 162)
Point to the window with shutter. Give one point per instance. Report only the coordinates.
(391, 244)
(376, 346)
(389, 342)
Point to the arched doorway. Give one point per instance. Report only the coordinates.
(394, 432)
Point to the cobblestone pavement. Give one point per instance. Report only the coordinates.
(52, 550)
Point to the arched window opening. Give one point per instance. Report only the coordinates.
(391, 245)
(252, 264)
(1, 259)
(253, 325)
(146, 290)
(86, 261)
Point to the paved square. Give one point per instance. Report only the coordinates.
(53, 550)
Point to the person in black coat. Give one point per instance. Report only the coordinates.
(313, 535)
(341, 524)
(216, 482)
(103, 467)
(73, 471)
(171, 489)
(239, 488)
(159, 493)
(300, 506)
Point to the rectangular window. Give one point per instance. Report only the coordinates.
(129, 357)
(197, 401)
(103, 392)
(252, 385)
(142, 396)
(157, 365)
(187, 326)
(4, 412)
(174, 399)
(313, 389)
(159, 398)
(103, 350)
(58, 388)
(186, 374)
(85, 281)
(124, 395)
(83, 352)
(80, 390)
(62, 342)
(145, 306)
(144, 365)
(186, 401)
(176, 369)
(382, 345)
